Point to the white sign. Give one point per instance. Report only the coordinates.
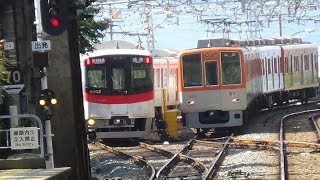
(41, 45)
(8, 45)
(13, 89)
(24, 138)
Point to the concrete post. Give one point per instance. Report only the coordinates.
(14, 120)
(44, 85)
(9, 35)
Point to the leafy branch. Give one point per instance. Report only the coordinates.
(91, 30)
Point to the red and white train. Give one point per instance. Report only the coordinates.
(122, 91)
(220, 83)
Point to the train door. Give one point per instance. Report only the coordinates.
(269, 75)
(276, 70)
(157, 86)
(312, 70)
(316, 68)
(266, 73)
(291, 70)
(301, 67)
(273, 72)
(176, 84)
(279, 71)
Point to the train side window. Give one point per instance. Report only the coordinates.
(291, 64)
(275, 63)
(311, 61)
(165, 77)
(262, 66)
(306, 62)
(280, 65)
(286, 64)
(192, 70)
(231, 69)
(316, 61)
(157, 77)
(269, 66)
(296, 63)
(211, 73)
(171, 78)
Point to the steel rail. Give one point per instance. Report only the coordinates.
(178, 157)
(314, 120)
(211, 172)
(137, 160)
(282, 144)
(241, 142)
(157, 150)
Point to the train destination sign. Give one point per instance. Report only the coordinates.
(24, 138)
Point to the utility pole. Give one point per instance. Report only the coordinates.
(9, 34)
(150, 37)
(44, 85)
(63, 76)
(111, 22)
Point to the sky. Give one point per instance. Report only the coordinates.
(182, 30)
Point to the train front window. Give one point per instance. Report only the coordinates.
(231, 69)
(118, 79)
(192, 70)
(211, 73)
(96, 77)
(141, 77)
(120, 74)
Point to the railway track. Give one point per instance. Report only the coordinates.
(195, 159)
(116, 164)
(237, 156)
(299, 160)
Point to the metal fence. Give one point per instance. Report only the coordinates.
(6, 132)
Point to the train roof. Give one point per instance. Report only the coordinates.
(224, 42)
(104, 52)
(164, 52)
(114, 44)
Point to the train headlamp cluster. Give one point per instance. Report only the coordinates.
(47, 98)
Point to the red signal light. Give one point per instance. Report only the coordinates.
(55, 22)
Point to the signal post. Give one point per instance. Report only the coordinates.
(57, 23)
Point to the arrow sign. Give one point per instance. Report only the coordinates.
(13, 89)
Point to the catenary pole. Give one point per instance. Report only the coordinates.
(44, 85)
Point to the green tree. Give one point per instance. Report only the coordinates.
(3, 81)
(3, 60)
(91, 29)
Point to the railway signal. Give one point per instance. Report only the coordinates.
(53, 16)
(47, 98)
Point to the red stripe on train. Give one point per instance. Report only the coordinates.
(118, 99)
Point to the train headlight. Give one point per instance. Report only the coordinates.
(117, 122)
(190, 102)
(211, 113)
(91, 122)
(235, 100)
